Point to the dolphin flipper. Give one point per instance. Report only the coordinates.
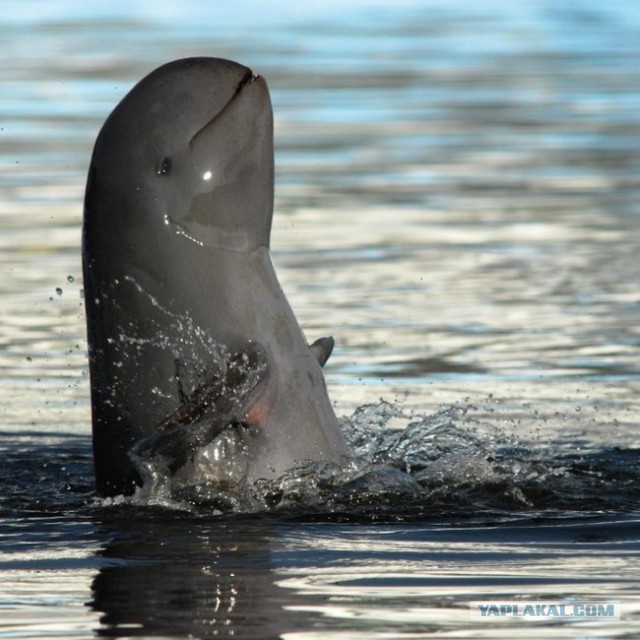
(322, 349)
(208, 411)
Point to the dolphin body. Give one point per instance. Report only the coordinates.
(196, 358)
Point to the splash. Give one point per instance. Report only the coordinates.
(405, 466)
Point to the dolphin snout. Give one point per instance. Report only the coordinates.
(248, 78)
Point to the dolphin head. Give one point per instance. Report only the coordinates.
(193, 141)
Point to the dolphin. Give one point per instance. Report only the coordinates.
(196, 358)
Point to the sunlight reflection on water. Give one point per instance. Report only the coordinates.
(456, 202)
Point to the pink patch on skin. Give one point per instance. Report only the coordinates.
(256, 413)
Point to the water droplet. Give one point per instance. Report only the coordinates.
(59, 291)
(70, 279)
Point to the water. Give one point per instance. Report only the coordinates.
(457, 203)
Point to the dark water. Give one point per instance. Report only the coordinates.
(457, 202)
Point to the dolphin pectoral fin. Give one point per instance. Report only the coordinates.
(168, 449)
(226, 394)
(219, 404)
(322, 349)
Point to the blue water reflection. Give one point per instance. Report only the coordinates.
(457, 203)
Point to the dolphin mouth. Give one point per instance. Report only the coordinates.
(248, 78)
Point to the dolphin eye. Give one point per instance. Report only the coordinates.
(164, 167)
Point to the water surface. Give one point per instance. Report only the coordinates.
(457, 202)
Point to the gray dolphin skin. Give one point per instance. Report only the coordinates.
(192, 343)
